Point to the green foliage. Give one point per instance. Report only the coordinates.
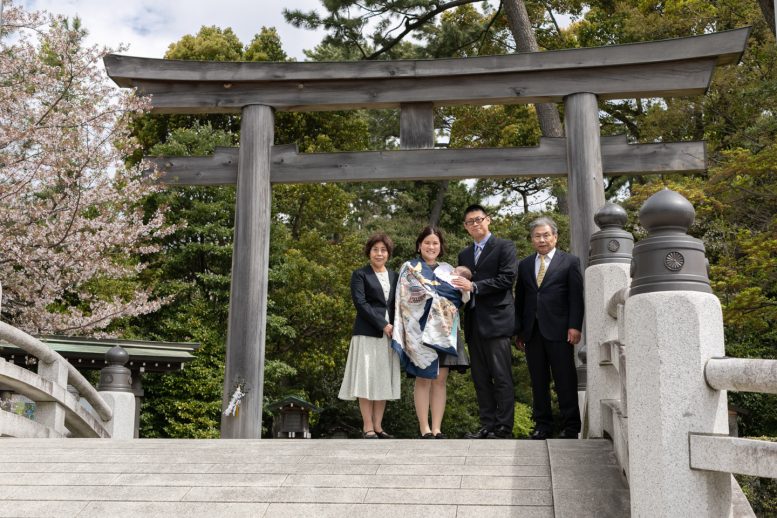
(210, 44)
(187, 404)
(461, 412)
(746, 272)
(194, 269)
(266, 46)
(524, 425)
(465, 31)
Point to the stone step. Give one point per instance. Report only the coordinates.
(277, 478)
(587, 480)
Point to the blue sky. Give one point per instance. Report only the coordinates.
(149, 26)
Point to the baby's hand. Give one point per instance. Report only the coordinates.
(461, 283)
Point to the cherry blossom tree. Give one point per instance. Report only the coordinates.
(72, 228)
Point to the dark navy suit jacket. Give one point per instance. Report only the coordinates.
(557, 305)
(371, 305)
(493, 314)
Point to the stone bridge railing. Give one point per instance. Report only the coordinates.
(657, 371)
(57, 389)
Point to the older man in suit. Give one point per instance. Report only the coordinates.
(549, 318)
(489, 320)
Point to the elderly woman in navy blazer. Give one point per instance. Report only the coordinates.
(372, 370)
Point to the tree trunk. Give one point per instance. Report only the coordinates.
(767, 8)
(442, 190)
(547, 114)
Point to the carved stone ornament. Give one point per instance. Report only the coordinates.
(674, 261)
(668, 259)
(611, 244)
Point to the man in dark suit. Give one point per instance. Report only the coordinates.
(489, 320)
(548, 323)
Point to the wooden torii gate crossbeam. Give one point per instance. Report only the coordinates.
(547, 159)
(578, 77)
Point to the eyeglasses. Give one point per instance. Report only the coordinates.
(474, 221)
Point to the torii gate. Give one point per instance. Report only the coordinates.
(578, 77)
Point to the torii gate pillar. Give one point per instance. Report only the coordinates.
(585, 180)
(250, 265)
(584, 158)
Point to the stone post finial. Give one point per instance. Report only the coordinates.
(611, 244)
(115, 377)
(668, 259)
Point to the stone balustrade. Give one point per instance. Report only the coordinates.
(742, 374)
(657, 375)
(58, 390)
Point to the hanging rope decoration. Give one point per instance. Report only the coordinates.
(233, 408)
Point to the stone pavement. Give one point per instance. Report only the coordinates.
(317, 478)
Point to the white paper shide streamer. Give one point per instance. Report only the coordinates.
(233, 408)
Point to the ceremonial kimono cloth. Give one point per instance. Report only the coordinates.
(426, 319)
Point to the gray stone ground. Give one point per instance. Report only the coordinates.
(316, 478)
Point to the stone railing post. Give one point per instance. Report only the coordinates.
(137, 390)
(52, 413)
(607, 273)
(115, 387)
(673, 325)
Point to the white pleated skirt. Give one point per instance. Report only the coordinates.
(371, 371)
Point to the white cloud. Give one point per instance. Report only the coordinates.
(149, 27)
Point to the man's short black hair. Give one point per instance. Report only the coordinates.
(475, 207)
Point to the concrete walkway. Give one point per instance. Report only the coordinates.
(316, 478)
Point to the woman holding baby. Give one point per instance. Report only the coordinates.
(426, 328)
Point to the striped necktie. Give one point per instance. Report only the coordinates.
(478, 249)
(541, 273)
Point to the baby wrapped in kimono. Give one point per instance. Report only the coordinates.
(426, 320)
(446, 273)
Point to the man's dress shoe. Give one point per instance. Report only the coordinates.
(483, 433)
(501, 432)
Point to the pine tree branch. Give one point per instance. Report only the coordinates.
(410, 27)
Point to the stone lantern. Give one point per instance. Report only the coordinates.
(291, 417)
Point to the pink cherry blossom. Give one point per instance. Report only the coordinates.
(70, 224)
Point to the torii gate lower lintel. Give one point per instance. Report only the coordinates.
(547, 159)
(577, 77)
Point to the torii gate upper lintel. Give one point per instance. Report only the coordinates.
(577, 77)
